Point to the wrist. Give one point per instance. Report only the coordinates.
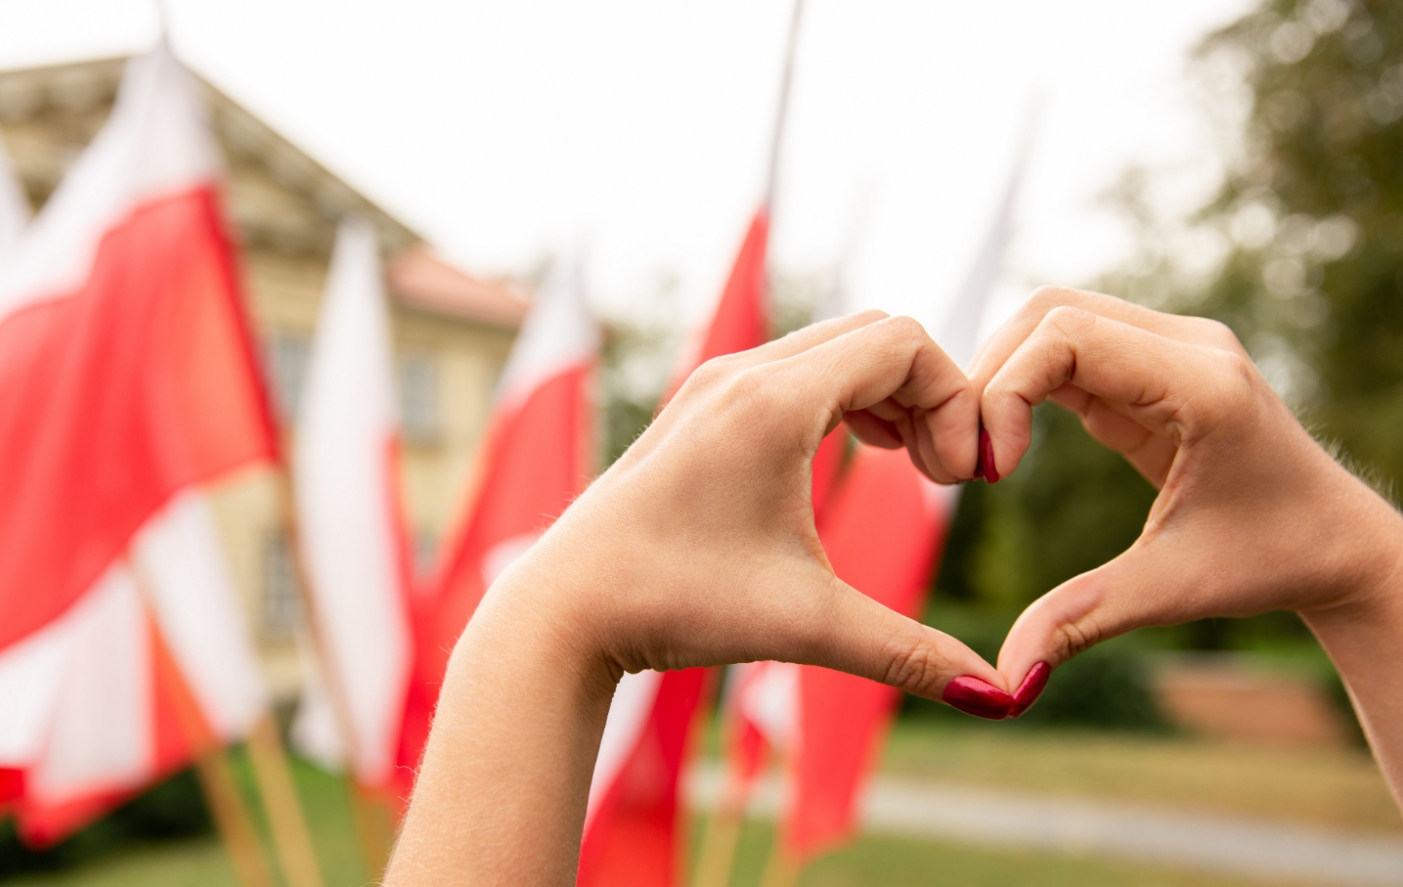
(542, 613)
(1370, 568)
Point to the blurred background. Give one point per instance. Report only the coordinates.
(1240, 160)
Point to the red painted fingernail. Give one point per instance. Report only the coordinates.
(977, 697)
(1031, 688)
(985, 466)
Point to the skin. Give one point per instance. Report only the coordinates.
(1252, 514)
(698, 548)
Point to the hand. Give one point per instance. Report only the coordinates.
(703, 533)
(696, 548)
(1252, 515)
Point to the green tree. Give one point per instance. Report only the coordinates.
(1300, 251)
(1314, 209)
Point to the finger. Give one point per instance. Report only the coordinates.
(727, 365)
(1148, 376)
(860, 636)
(891, 359)
(874, 430)
(808, 337)
(1109, 425)
(1155, 582)
(1189, 330)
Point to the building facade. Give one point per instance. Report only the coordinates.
(452, 331)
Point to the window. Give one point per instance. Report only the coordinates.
(285, 357)
(281, 609)
(418, 398)
(425, 553)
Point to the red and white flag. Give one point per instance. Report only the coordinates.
(539, 455)
(352, 536)
(14, 206)
(99, 701)
(759, 708)
(883, 531)
(127, 381)
(633, 833)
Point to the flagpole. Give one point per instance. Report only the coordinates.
(228, 808)
(291, 840)
(286, 820)
(783, 869)
(723, 827)
(374, 837)
(718, 850)
(782, 108)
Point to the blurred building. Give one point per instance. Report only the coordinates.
(451, 331)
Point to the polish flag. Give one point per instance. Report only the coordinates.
(14, 206)
(352, 536)
(759, 708)
(883, 531)
(151, 667)
(14, 216)
(127, 380)
(633, 834)
(539, 455)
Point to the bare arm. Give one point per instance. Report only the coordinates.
(697, 548)
(1252, 515)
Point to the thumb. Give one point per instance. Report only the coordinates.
(866, 638)
(1151, 583)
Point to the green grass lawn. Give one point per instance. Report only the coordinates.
(199, 862)
(888, 862)
(899, 862)
(202, 861)
(1338, 788)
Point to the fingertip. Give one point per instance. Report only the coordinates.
(951, 431)
(976, 696)
(986, 466)
(1031, 688)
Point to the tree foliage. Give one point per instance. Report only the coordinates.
(1299, 250)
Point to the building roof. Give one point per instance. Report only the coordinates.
(419, 279)
(280, 197)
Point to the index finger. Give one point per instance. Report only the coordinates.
(893, 359)
(1189, 330)
(1149, 375)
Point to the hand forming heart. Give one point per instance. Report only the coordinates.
(1252, 515)
(698, 548)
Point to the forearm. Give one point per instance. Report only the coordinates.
(501, 795)
(1369, 656)
(1365, 641)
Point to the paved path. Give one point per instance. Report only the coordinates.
(1218, 844)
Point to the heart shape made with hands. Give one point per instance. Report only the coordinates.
(976, 696)
(980, 698)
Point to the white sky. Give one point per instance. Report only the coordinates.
(505, 130)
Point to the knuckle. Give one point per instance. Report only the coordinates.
(1046, 298)
(750, 388)
(913, 667)
(1236, 378)
(1220, 335)
(714, 370)
(904, 329)
(996, 391)
(1066, 320)
(872, 315)
(1073, 638)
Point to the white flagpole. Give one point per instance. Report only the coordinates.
(782, 109)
